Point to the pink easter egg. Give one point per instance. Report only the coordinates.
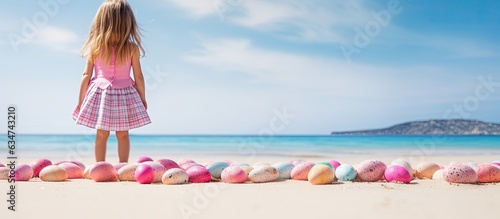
(185, 161)
(38, 164)
(229, 162)
(73, 170)
(2, 165)
(103, 172)
(118, 166)
(487, 173)
(24, 172)
(167, 163)
(496, 163)
(144, 174)
(186, 166)
(371, 170)
(199, 174)
(80, 164)
(301, 171)
(143, 159)
(159, 170)
(395, 173)
(459, 173)
(233, 174)
(334, 163)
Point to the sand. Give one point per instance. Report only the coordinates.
(286, 199)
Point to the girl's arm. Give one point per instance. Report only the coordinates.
(139, 78)
(87, 74)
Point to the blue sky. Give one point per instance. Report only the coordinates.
(254, 66)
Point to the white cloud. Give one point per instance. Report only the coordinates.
(196, 8)
(330, 22)
(328, 76)
(310, 20)
(58, 39)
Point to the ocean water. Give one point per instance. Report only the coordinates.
(77, 146)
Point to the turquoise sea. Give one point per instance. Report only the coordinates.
(311, 146)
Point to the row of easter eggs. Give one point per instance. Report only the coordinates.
(147, 171)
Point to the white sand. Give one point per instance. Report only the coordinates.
(287, 199)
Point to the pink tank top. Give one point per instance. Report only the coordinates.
(111, 75)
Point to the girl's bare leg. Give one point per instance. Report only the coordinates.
(101, 140)
(123, 146)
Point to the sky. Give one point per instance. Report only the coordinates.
(265, 67)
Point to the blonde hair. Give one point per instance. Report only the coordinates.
(114, 26)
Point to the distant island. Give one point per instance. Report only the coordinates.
(433, 127)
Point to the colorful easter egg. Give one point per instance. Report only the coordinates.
(73, 170)
(216, 169)
(38, 164)
(284, 170)
(175, 176)
(405, 164)
(345, 172)
(438, 175)
(103, 172)
(321, 174)
(334, 163)
(185, 161)
(487, 173)
(4, 173)
(398, 174)
(168, 164)
(186, 166)
(263, 174)
(24, 172)
(2, 165)
(326, 163)
(496, 163)
(143, 159)
(199, 174)
(371, 170)
(459, 173)
(55, 173)
(233, 174)
(78, 163)
(144, 174)
(158, 169)
(301, 170)
(118, 166)
(247, 169)
(426, 170)
(127, 172)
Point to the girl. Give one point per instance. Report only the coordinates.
(111, 100)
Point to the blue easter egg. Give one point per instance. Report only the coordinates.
(345, 172)
(284, 169)
(216, 169)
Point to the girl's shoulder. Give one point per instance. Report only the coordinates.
(134, 48)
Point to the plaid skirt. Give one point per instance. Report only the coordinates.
(111, 109)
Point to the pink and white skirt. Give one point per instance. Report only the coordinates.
(112, 109)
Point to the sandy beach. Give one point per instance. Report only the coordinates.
(286, 199)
